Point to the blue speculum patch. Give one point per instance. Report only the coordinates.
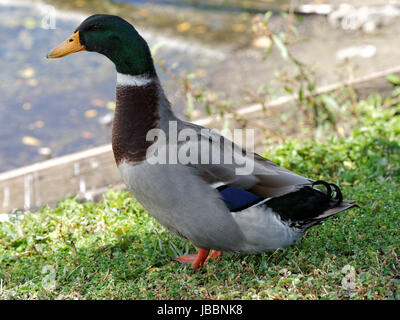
(238, 199)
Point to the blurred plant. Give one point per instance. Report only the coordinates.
(195, 92)
(317, 109)
(214, 103)
(321, 111)
(394, 99)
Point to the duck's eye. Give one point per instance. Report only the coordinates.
(94, 27)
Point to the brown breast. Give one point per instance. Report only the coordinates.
(136, 113)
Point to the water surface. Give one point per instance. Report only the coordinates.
(59, 104)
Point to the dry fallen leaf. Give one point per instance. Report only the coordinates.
(38, 124)
(28, 73)
(30, 141)
(27, 106)
(91, 113)
(86, 134)
(184, 26)
(97, 103)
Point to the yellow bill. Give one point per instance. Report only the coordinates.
(71, 45)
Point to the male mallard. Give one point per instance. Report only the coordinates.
(207, 202)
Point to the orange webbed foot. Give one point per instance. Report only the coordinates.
(197, 260)
(215, 255)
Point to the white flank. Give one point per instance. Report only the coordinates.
(136, 81)
(259, 203)
(216, 185)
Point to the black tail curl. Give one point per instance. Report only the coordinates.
(338, 194)
(304, 206)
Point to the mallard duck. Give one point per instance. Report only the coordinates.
(207, 202)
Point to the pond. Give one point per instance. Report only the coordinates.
(61, 106)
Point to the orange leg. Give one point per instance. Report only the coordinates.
(201, 258)
(197, 260)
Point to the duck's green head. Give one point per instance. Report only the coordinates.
(113, 37)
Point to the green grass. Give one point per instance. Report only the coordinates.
(115, 250)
